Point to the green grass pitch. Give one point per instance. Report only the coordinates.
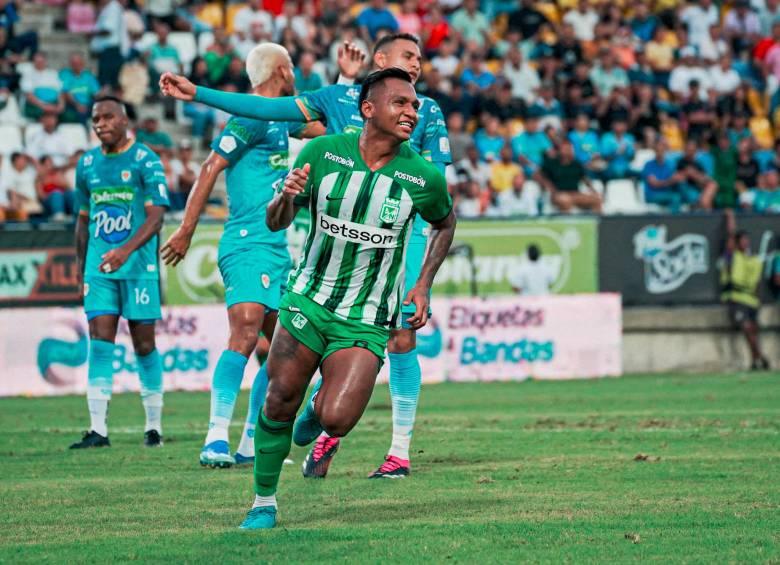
(502, 473)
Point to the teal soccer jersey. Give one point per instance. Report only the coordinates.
(253, 260)
(113, 190)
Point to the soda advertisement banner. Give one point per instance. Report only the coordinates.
(499, 248)
(43, 351)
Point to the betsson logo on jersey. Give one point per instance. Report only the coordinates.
(419, 181)
(346, 161)
(369, 236)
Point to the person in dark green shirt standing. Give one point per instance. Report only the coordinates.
(724, 157)
(740, 276)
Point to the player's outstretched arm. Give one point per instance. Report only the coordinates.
(285, 108)
(439, 242)
(115, 258)
(82, 236)
(282, 208)
(177, 245)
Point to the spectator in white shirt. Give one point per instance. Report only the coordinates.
(518, 201)
(50, 140)
(474, 168)
(742, 24)
(291, 18)
(257, 34)
(110, 40)
(445, 60)
(533, 277)
(687, 70)
(253, 13)
(698, 18)
(18, 198)
(469, 204)
(521, 76)
(768, 14)
(714, 46)
(724, 78)
(42, 89)
(583, 20)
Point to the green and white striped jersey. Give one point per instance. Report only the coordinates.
(354, 256)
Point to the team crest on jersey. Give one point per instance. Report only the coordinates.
(125, 176)
(265, 280)
(140, 154)
(299, 320)
(88, 160)
(390, 209)
(353, 93)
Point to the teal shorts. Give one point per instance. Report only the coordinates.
(415, 254)
(255, 274)
(133, 299)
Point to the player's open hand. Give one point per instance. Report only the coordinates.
(177, 86)
(176, 247)
(295, 182)
(419, 297)
(113, 260)
(351, 59)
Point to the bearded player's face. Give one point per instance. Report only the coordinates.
(393, 108)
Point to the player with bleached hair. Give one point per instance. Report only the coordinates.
(254, 261)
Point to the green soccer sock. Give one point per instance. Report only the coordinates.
(272, 446)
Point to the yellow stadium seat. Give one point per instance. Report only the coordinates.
(672, 133)
(499, 25)
(550, 11)
(232, 9)
(212, 14)
(356, 8)
(758, 102)
(516, 127)
(493, 66)
(762, 132)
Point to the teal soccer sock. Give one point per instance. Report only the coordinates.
(224, 390)
(405, 378)
(100, 380)
(150, 373)
(256, 399)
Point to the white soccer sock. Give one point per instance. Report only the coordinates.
(153, 404)
(218, 430)
(247, 445)
(264, 501)
(98, 415)
(402, 437)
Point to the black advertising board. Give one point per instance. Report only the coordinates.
(666, 260)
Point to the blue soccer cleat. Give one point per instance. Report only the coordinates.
(307, 427)
(260, 518)
(216, 454)
(244, 459)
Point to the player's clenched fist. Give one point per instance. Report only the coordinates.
(295, 182)
(177, 87)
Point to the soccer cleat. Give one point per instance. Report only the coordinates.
(393, 468)
(152, 438)
(216, 454)
(317, 461)
(760, 364)
(260, 518)
(307, 427)
(91, 439)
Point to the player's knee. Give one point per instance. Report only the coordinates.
(402, 341)
(243, 339)
(280, 402)
(335, 422)
(143, 347)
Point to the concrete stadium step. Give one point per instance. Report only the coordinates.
(40, 17)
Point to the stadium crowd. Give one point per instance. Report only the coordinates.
(573, 106)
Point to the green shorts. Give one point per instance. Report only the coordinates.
(323, 332)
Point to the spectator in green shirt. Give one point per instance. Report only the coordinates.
(724, 172)
(149, 134)
(219, 56)
(305, 77)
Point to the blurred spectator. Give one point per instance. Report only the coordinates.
(502, 105)
(185, 171)
(471, 24)
(531, 145)
(521, 76)
(53, 190)
(724, 158)
(17, 43)
(585, 141)
(236, 75)
(80, 16)
(292, 19)
(50, 141)
(149, 134)
(641, 71)
(473, 168)
(408, 19)
(219, 55)
(476, 76)
(698, 17)
(305, 77)
(747, 169)
(527, 20)
(435, 29)
(583, 20)
(445, 61)
(643, 23)
(547, 108)
(460, 140)
(562, 176)
(469, 202)
(161, 11)
(714, 46)
(698, 112)
(161, 56)
(723, 77)
(42, 89)
(663, 184)
(257, 34)
(110, 40)
(79, 86)
(533, 277)
(694, 179)
(617, 148)
(374, 17)
(768, 14)
(741, 26)
(660, 55)
(202, 116)
(134, 82)
(503, 171)
(18, 198)
(518, 201)
(764, 198)
(567, 51)
(687, 70)
(489, 140)
(250, 15)
(606, 75)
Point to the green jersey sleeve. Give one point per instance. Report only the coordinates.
(153, 181)
(309, 154)
(433, 201)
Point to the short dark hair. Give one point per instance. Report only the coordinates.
(377, 78)
(109, 98)
(389, 38)
(533, 252)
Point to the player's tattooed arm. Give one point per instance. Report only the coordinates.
(82, 236)
(282, 208)
(115, 258)
(439, 242)
(177, 245)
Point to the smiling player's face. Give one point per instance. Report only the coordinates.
(392, 108)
